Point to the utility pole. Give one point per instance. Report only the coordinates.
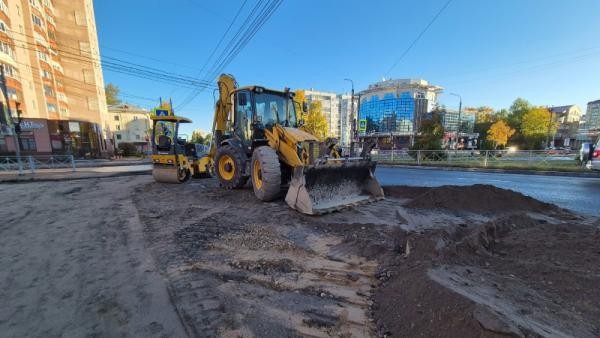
(459, 117)
(15, 126)
(352, 119)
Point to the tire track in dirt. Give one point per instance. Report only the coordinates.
(241, 267)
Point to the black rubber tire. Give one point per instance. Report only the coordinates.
(239, 158)
(270, 173)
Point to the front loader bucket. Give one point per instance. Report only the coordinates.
(324, 188)
(168, 174)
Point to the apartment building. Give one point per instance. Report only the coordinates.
(130, 124)
(50, 55)
(330, 109)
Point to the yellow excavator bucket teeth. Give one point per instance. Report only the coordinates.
(332, 186)
(167, 174)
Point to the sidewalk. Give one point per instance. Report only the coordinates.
(64, 174)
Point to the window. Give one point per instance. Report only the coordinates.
(118, 127)
(28, 144)
(5, 48)
(36, 20)
(48, 91)
(12, 93)
(52, 108)
(79, 18)
(46, 74)
(42, 56)
(135, 117)
(2, 26)
(88, 76)
(116, 117)
(3, 7)
(51, 34)
(10, 71)
(137, 137)
(118, 136)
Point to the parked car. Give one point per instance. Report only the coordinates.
(594, 162)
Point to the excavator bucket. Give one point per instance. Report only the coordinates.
(323, 188)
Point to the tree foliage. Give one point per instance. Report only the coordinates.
(199, 137)
(112, 94)
(536, 125)
(499, 133)
(315, 122)
(431, 132)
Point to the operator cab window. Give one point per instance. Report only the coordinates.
(270, 109)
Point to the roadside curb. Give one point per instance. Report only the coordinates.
(497, 171)
(72, 178)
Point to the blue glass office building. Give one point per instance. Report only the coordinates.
(391, 115)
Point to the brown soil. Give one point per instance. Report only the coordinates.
(156, 260)
(454, 261)
(479, 198)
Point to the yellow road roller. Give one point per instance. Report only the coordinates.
(174, 160)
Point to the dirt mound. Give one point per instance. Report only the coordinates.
(479, 198)
(515, 274)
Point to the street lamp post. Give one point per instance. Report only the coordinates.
(352, 119)
(459, 113)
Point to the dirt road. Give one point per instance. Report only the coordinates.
(74, 263)
(130, 257)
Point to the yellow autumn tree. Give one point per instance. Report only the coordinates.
(536, 125)
(314, 120)
(499, 133)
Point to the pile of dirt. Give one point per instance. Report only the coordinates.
(479, 198)
(513, 275)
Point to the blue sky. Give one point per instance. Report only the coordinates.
(488, 51)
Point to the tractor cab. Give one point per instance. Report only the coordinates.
(174, 159)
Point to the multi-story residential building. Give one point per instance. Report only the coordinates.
(589, 128)
(130, 124)
(345, 104)
(392, 110)
(568, 118)
(49, 51)
(329, 107)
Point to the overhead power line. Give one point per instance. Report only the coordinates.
(242, 37)
(122, 66)
(418, 37)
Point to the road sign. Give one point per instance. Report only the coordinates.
(162, 112)
(362, 125)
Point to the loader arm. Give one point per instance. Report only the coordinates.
(294, 146)
(227, 85)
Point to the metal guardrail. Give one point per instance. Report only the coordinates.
(33, 163)
(523, 159)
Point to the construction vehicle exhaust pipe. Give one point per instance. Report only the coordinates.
(334, 185)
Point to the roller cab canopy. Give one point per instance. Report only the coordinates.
(172, 118)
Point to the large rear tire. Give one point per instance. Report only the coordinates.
(230, 166)
(266, 173)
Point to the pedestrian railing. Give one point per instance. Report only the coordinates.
(524, 159)
(32, 163)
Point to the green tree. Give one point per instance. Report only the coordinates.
(197, 137)
(431, 132)
(112, 94)
(536, 125)
(517, 110)
(499, 133)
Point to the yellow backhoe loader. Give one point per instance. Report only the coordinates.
(174, 160)
(256, 136)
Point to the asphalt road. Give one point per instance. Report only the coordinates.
(580, 194)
